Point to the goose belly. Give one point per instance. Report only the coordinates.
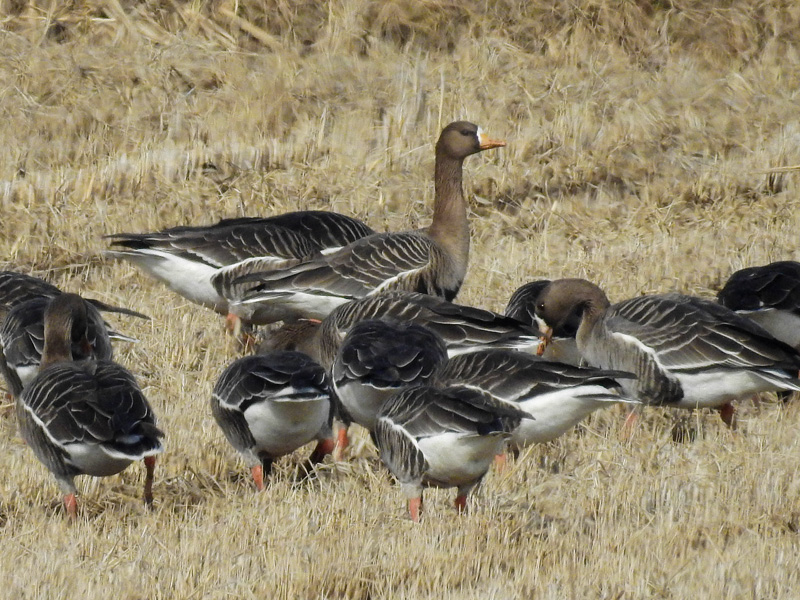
(281, 426)
(556, 412)
(362, 402)
(304, 304)
(711, 389)
(190, 279)
(457, 459)
(93, 459)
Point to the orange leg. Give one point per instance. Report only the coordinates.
(728, 414)
(630, 422)
(414, 508)
(233, 324)
(342, 442)
(461, 503)
(258, 477)
(71, 505)
(150, 467)
(500, 462)
(324, 447)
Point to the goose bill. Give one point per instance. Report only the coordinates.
(487, 143)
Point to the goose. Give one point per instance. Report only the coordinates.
(770, 296)
(432, 260)
(562, 346)
(377, 359)
(22, 340)
(556, 396)
(88, 417)
(463, 328)
(268, 405)
(202, 264)
(442, 437)
(686, 352)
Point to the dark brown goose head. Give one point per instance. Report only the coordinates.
(450, 227)
(566, 299)
(66, 324)
(461, 138)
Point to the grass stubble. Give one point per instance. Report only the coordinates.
(645, 141)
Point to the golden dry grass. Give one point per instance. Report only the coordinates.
(645, 140)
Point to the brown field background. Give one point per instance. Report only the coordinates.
(649, 149)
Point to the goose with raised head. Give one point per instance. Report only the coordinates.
(463, 328)
(268, 405)
(442, 437)
(556, 396)
(432, 260)
(770, 296)
(22, 340)
(88, 417)
(202, 263)
(686, 352)
(562, 346)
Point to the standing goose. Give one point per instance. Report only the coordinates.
(686, 352)
(269, 405)
(556, 396)
(442, 437)
(770, 296)
(84, 418)
(202, 263)
(22, 340)
(432, 260)
(463, 328)
(562, 346)
(376, 360)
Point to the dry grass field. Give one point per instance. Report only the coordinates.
(648, 146)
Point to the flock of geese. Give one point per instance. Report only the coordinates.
(370, 336)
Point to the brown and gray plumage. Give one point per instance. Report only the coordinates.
(463, 328)
(377, 359)
(562, 347)
(557, 396)
(770, 296)
(268, 405)
(88, 417)
(686, 352)
(442, 437)
(22, 339)
(16, 288)
(202, 263)
(432, 260)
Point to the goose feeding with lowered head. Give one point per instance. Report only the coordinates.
(268, 405)
(686, 352)
(432, 260)
(442, 437)
(561, 346)
(88, 417)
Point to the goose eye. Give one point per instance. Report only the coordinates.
(540, 307)
(466, 132)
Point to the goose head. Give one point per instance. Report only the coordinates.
(564, 301)
(462, 138)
